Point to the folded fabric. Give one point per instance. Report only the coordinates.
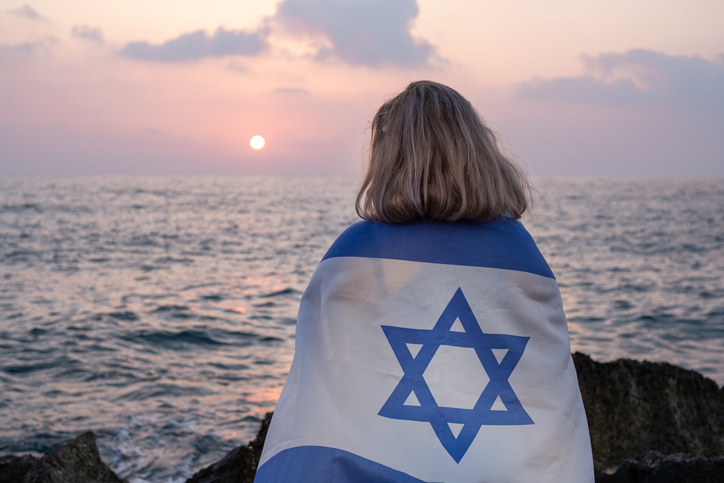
(430, 352)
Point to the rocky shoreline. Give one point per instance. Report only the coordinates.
(649, 423)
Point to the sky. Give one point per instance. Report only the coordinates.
(572, 87)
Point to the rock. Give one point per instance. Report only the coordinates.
(258, 444)
(239, 465)
(633, 407)
(654, 467)
(14, 468)
(75, 462)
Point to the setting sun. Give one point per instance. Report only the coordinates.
(257, 142)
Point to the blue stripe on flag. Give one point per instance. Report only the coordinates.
(319, 464)
(502, 243)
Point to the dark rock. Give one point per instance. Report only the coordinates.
(654, 467)
(75, 462)
(14, 468)
(633, 407)
(258, 444)
(239, 465)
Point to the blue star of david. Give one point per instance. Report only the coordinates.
(413, 382)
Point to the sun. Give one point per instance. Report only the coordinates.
(257, 142)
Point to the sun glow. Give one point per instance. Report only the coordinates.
(257, 142)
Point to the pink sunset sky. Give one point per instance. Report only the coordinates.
(573, 87)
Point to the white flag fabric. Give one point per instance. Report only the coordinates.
(430, 352)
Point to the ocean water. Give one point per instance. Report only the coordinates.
(160, 312)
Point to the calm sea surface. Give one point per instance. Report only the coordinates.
(160, 312)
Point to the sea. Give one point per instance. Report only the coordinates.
(160, 312)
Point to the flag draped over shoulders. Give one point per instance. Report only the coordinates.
(430, 352)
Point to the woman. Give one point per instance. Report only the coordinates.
(431, 342)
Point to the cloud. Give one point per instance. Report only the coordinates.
(197, 45)
(361, 32)
(292, 91)
(26, 11)
(24, 48)
(28, 47)
(358, 32)
(638, 77)
(13, 55)
(87, 32)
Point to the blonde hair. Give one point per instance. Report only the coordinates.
(433, 158)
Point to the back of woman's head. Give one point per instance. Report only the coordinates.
(432, 158)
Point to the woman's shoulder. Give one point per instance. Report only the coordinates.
(500, 243)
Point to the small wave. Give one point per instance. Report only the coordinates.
(586, 319)
(648, 318)
(149, 268)
(25, 368)
(23, 255)
(286, 291)
(141, 241)
(112, 375)
(166, 260)
(163, 391)
(124, 315)
(265, 304)
(22, 207)
(183, 315)
(35, 443)
(170, 308)
(243, 335)
(690, 247)
(174, 340)
(63, 362)
(270, 339)
(229, 367)
(192, 287)
(215, 297)
(261, 317)
(213, 319)
(634, 287)
(101, 348)
(623, 304)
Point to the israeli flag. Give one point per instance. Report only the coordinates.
(430, 352)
